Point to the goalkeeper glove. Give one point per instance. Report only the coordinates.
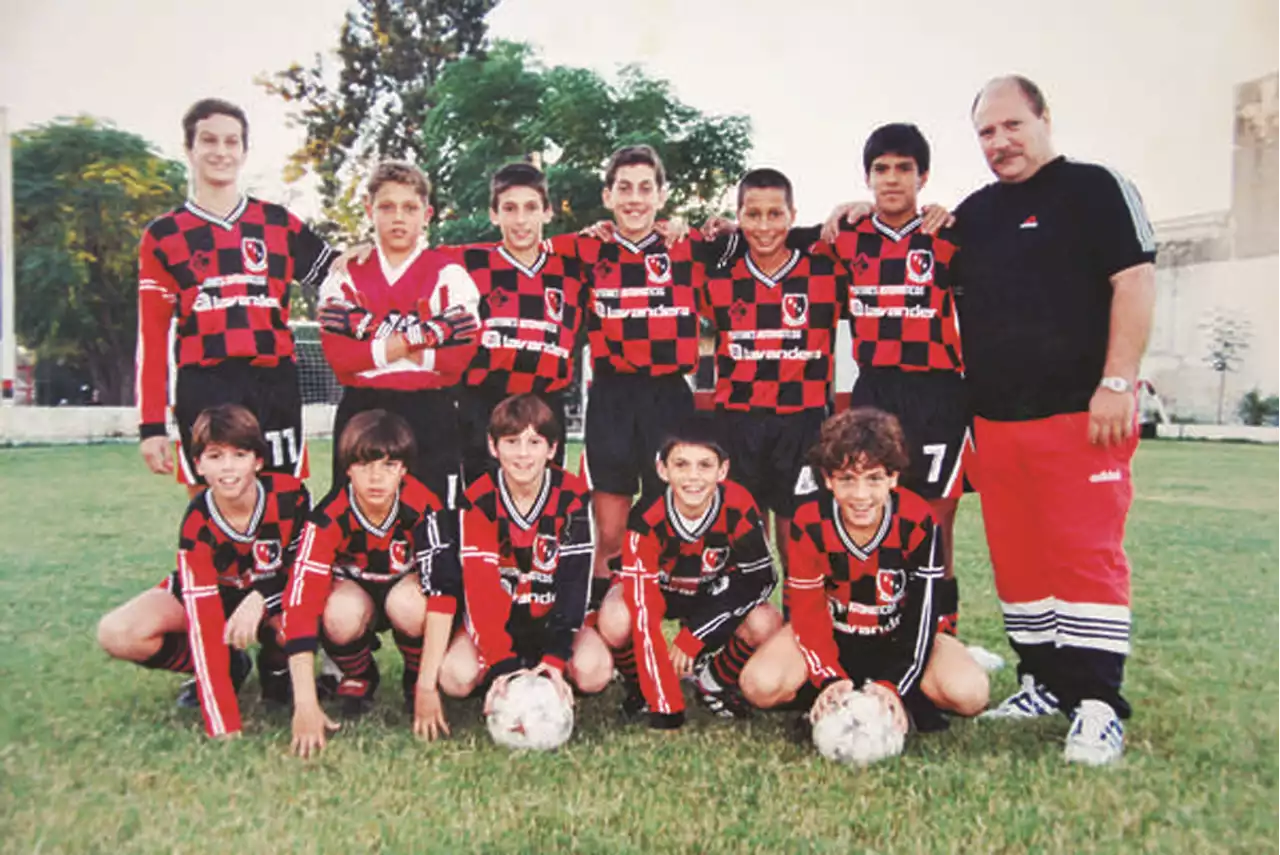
(453, 326)
(346, 319)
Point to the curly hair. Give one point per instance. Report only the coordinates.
(862, 438)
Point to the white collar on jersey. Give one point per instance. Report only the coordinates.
(896, 234)
(376, 531)
(691, 530)
(229, 530)
(532, 271)
(525, 522)
(782, 272)
(393, 274)
(227, 222)
(639, 246)
(862, 553)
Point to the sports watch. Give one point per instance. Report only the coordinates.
(1115, 384)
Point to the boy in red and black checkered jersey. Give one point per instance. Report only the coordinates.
(698, 555)
(906, 338)
(526, 564)
(354, 577)
(533, 303)
(219, 268)
(775, 313)
(865, 562)
(238, 540)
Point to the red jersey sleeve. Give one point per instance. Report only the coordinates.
(810, 617)
(157, 296)
(641, 552)
(309, 585)
(205, 627)
(488, 603)
(345, 355)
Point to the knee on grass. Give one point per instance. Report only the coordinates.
(118, 637)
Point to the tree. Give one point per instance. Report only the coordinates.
(83, 193)
(1228, 339)
(390, 54)
(1256, 410)
(505, 106)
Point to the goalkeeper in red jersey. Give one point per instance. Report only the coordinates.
(698, 555)
(399, 328)
(355, 576)
(865, 560)
(237, 543)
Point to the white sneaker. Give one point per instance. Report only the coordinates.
(1096, 736)
(1031, 701)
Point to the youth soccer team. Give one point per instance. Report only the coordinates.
(451, 520)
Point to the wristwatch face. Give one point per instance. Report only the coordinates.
(1115, 384)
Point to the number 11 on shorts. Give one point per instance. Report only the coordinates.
(285, 441)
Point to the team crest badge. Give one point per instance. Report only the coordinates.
(714, 559)
(266, 555)
(254, 251)
(795, 310)
(890, 585)
(553, 299)
(920, 266)
(399, 555)
(545, 550)
(658, 267)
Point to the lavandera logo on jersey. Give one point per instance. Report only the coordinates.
(920, 266)
(795, 309)
(553, 300)
(658, 267)
(254, 251)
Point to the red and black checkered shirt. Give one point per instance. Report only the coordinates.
(721, 565)
(340, 541)
(531, 318)
(776, 334)
(644, 316)
(900, 296)
(226, 283)
(212, 554)
(883, 589)
(526, 566)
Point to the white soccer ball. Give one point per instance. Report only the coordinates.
(531, 714)
(859, 731)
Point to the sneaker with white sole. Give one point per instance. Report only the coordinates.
(1031, 701)
(1096, 736)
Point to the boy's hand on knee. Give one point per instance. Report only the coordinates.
(242, 626)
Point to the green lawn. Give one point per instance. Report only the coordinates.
(95, 758)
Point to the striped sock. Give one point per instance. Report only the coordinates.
(354, 659)
(726, 666)
(411, 649)
(174, 654)
(624, 660)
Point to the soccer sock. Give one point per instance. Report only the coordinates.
(948, 606)
(726, 666)
(624, 659)
(271, 656)
(411, 649)
(354, 659)
(174, 654)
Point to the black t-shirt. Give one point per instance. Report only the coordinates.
(1033, 285)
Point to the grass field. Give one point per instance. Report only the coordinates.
(95, 758)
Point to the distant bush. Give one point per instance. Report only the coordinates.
(1254, 409)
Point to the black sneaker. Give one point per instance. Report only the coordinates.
(721, 701)
(633, 709)
(189, 696)
(356, 693)
(277, 687)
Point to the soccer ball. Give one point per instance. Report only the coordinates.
(858, 731)
(531, 714)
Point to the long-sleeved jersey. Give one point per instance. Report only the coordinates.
(426, 283)
(719, 568)
(526, 566)
(225, 282)
(213, 554)
(884, 589)
(340, 541)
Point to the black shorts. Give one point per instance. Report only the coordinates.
(933, 408)
(231, 597)
(270, 393)
(628, 418)
(432, 415)
(475, 406)
(863, 658)
(378, 592)
(695, 611)
(767, 454)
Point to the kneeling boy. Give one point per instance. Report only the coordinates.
(353, 578)
(698, 555)
(865, 562)
(237, 542)
(526, 565)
